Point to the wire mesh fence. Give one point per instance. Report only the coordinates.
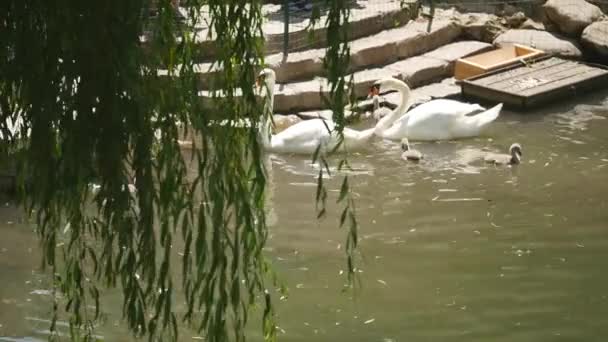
(560, 23)
(367, 17)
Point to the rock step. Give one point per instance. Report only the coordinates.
(416, 71)
(379, 49)
(447, 88)
(368, 18)
(548, 42)
(595, 37)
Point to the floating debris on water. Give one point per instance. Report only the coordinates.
(459, 199)
(371, 320)
(41, 292)
(382, 282)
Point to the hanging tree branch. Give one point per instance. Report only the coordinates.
(336, 63)
(116, 202)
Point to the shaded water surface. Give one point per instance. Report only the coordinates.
(451, 249)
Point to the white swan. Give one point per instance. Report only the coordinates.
(305, 136)
(434, 120)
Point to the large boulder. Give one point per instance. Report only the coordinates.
(572, 16)
(481, 26)
(595, 36)
(531, 24)
(545, 41)
(602, 4)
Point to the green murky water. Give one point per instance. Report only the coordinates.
(452, 249)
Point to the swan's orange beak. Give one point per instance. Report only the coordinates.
(259, 81)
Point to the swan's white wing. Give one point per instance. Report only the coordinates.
(446, 107)
(432, 120)
(303, 133)
(440, 113)
(439, 107)
(355, 139)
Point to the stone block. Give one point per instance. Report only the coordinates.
(572, 16)
(542, 40)
(595, 37)
(457, 50)
(420, 70)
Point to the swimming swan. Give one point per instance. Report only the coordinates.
(434, 120)
(304, 137)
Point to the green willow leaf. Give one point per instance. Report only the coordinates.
(105, 91)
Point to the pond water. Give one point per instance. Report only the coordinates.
(452, 249)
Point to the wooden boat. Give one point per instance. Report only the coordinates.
(493, 60)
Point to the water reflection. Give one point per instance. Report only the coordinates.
(451, 248)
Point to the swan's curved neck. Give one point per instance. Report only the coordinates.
(515, 157)
(266, 122)
(401, 109)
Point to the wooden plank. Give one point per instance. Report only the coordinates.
(546, 74)
(537, 80)
(568, 78)
(546, 80)
(527, 70)
(473, 91)
(563, 92)
(522, 70)
(571, 81)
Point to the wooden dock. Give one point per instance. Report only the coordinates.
(535, 83)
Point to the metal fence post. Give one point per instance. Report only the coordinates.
(285, 29)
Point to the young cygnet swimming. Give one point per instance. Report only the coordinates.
(514, 156)
(408, 153)
(378, 112)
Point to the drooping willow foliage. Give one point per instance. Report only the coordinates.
(102, 173)
(336, 63)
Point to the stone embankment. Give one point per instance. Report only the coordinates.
(390, 41)
(569, 28)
